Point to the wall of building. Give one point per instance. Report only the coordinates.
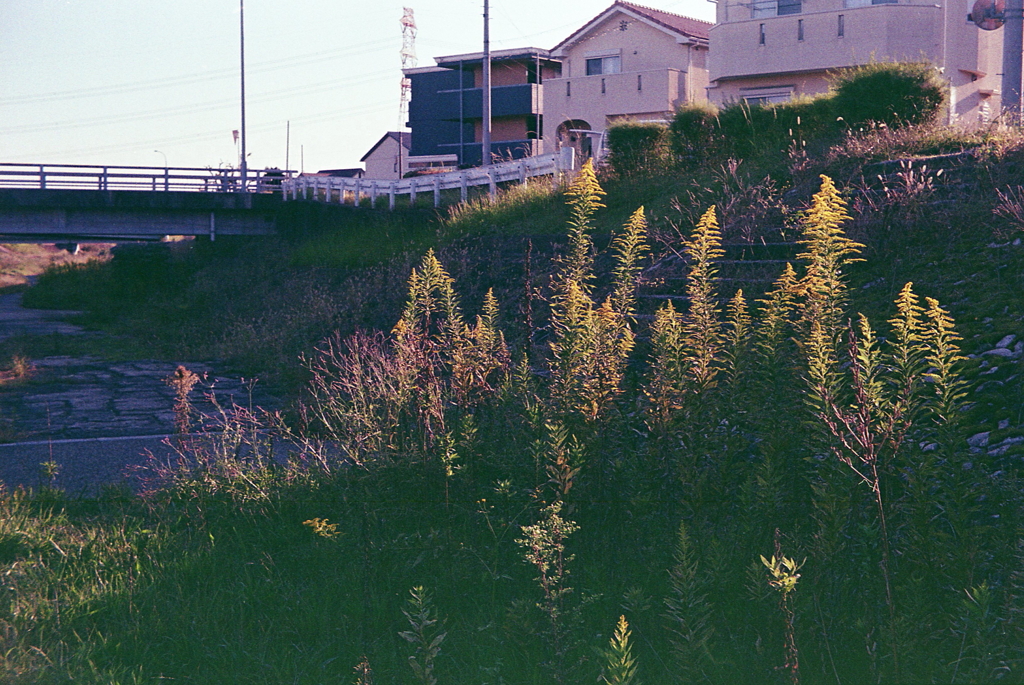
(434, 111)
(446, 109)
(657, 75)
(600, 99)
(799, 49)
(887, 32)
(503, 129)
(383, 162)
(641, 47)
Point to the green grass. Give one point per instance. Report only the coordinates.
(216, 579)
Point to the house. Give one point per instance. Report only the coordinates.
(772, 50)
(386, 160)
(446, 109)
(629, 62)
(354, 172)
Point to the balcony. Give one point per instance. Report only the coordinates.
(506, 101)
(593, 98)
(881, 32)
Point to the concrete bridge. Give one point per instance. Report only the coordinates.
(77, 202)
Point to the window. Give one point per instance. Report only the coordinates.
(604, 65)
(568, 89)
(760, 34)
(772, 8)
(766, 96)
(799, 29)
(842, 26)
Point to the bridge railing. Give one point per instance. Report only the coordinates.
(189, 179)
(353, 190)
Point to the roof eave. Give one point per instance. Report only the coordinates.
(681, 36)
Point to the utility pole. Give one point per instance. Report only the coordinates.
(486, 124)
(241, 23)
(1013, 38)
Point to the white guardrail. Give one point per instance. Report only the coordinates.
(352, 190)
(92, 177)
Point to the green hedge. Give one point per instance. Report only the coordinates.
(893, 94)
(693, 132)
(890, 94)
(634, 146)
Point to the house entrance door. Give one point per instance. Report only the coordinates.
(569, 136)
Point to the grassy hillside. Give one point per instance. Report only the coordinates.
(766, 489)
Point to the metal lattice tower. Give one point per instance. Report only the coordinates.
(408, 61)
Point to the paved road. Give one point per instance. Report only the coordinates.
(94, 418)
(85, 464)
(16, 320)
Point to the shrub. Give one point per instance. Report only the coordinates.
(637, 145)
(893, 94)
(889, 93)
(694, 132)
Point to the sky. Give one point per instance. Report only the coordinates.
(155, 82)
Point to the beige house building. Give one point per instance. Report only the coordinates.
(772, 50)
(386, 160)
(629, 61)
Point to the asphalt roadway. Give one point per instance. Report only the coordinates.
(96, 420)
(86, 465)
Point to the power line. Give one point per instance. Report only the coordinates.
(209, 105)
(215, 74)
(369, 108)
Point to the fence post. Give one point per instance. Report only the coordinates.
(412, 191)
(463, 187)
(167, 179)
(359, 191)
(42, 177)
(437, 192)
(391, 195)
(373, 195)
(522, 172)
(492, 187)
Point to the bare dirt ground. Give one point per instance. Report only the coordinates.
(19, 262)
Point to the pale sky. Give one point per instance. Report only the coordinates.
(115, 81)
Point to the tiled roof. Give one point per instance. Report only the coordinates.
(676, 23)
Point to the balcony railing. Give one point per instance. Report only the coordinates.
(657, 90)
(876, 31)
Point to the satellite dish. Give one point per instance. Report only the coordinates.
(988, 14)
